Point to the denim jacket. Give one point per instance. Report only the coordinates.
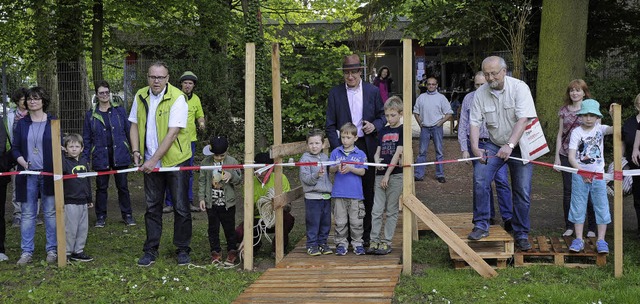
(95, 138)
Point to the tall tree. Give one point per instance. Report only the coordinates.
(97, 30)
(563, 41)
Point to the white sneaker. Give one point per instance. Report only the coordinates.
(3, 257)
(25, 259)
(52, 257)
(591, 234)
(568, 232)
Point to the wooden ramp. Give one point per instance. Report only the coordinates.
(301, 278)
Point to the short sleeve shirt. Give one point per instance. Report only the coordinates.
(389, 140)
(500, 110)
(589, 147)
(569, 122)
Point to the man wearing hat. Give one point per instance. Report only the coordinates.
(505, 105)
(159, 138)
(188, 82)
(360, 103)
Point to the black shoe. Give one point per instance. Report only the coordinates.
(101, 222)
(507, 226)
(492, 221)
(523, 244)
(418, 179)
(147, 259)
(80, 257)
(183, 258)
(477, 234)
(128, 220)
(442, 180)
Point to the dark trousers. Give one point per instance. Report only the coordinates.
(287, 223)
(635, 189)
(566, 199)
(318, 221)
(368, 183)
(102, 185)
(154, 185)
(168, 200)
(219, 215)
(4, 181)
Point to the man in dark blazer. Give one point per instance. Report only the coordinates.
(360, 103)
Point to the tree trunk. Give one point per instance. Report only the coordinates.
(96, 41)
(563, 41)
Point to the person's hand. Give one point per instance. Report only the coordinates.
(367, 127)
(321, 172)
(557, 162)
(587, 180)
(203, 205)
(504, 152)
(465, 154)
(611, 108)
(136, 158)
(345, 168)
(635, 157)
(384, 183)
(90, 205)
(148, 166)
(480, 153)
(201, 126)
(226, 176)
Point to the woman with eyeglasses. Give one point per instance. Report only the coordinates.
(107, 147)
(576, 92)
(32, 150)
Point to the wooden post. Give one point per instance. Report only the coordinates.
(58, 190)
(277, 140)
(407, 172)
(249, 146)
(617, 186)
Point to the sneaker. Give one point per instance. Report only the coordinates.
(418, 179)
(128, 220)
(167, 209)
(383, 249)
(577, 245)
(359, 250)
(591, 234)
(341, 250)
(372, 248)
(80, 257)
(477, 234)
(25, 259)
(313, 251)
(3, 257)
(15, 223)
(442, 180)
(232, 255)
(147, 259)
(39, 222)
(602, 246)
(523, 244)
(52, 257)
(100, 222)
(216, 258)
(508, 227)
(325, 249)
(183, 258)
(568, 232)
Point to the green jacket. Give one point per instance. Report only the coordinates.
(195, 112)
(206, 176)
(180, 149)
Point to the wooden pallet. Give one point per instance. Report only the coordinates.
(452, 220)
(555, 251)
(496, 249)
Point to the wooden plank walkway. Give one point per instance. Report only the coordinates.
(301, 278)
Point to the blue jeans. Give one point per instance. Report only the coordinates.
(35, 186)
(503, 190)
(318, 221)
(124, 199)
(154, 185)
(426, 134)
(520, 186)
(566, 199)
(580, 192)
(168, 200)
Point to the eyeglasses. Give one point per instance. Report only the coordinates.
(432, 84)
(157, 78)
(493, 74)
(350, 72)
(103, 93)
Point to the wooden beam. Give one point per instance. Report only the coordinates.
(617, 187)
(299, 147)
(284, 198)
(249, 146)
(407, 157)
(277, 140)
(449, 237)
(58, 190)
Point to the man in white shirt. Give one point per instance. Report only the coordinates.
(159, 138)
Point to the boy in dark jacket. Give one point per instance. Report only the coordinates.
(77, 198)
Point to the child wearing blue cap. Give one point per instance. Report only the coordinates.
(586, 153)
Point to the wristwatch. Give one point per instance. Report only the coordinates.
(511, 145)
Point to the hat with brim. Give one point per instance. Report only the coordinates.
(590, 106)
(351, 62)
(217, 145)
